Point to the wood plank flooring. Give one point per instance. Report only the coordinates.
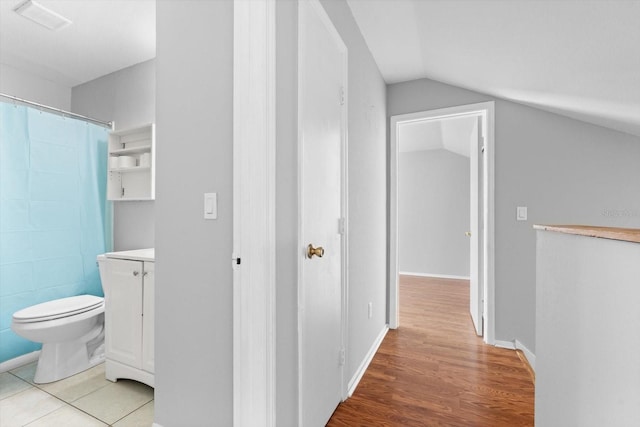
(434, 370)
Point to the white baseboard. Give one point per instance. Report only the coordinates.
(517, 345)
(438, 276)
(155, 425)
(505, 344)
(19, 361)
(353, 383)
(531, 358)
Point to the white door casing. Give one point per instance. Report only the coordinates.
(485, 110)
(322, 77)
(475, 216)
(253, 260)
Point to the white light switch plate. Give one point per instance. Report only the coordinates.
(521, 213)
(210, 205)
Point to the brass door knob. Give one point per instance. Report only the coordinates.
(467, 233)
(311, 251)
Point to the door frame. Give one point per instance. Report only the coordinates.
(487, 111)
(254, 221)
(319, 9)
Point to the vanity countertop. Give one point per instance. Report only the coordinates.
(136, 255)
(614, 233)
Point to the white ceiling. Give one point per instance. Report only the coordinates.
(580, 58)
(452, 134)
(106, 36)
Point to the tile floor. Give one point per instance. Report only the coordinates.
(83, 400)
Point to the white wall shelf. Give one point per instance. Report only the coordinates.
(132, 182)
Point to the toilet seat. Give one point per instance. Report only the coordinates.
(57, 309)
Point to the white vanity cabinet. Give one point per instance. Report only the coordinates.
(129, 318)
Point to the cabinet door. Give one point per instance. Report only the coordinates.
(148, 317)
(123, 312)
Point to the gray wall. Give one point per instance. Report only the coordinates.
(286, 213)
(367, 189)
(433, 213)
(33, 88)
(564, 170)
(367, 199)
(194, 106)
(194, 322)
(128, 98)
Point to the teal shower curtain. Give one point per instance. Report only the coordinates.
(54, 216)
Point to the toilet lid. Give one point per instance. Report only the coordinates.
(62, 307)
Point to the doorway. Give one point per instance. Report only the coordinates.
(481, 212)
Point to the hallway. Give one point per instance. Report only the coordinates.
(434, 371)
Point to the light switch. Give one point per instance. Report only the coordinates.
(210, 205)
(521, 213)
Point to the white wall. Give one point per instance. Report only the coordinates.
(433, 213)
(564, 170)
(33, 88)
(128, 98)
(194, 321)
(588, 303)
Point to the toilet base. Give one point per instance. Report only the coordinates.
(61, 360)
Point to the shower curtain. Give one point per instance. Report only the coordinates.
(54, 216)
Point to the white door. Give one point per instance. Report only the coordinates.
(322, 74)
(123, 317)
(475, 228)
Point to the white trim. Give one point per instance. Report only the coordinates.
(438, 276)
(254, 339)
(509, 345)
(156, 425)
(531, 358)
(355, 380)
(517, 345)
(487, 111)
(19, 361)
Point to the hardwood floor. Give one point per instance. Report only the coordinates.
(434, 370)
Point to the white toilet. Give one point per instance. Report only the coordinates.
(71, 331)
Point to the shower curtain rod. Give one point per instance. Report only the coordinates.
(59, 111)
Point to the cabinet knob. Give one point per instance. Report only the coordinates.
(135, 273)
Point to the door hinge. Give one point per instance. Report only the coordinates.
(341, 95)
(342, 226)
(341, 357)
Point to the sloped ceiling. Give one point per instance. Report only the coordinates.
(579, 58)
(106, 36)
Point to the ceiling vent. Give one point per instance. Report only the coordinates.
(41, 15)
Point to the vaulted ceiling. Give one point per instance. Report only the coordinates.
(579, 58)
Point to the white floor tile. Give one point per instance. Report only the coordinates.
(76, 386)
(26, 372)
(66, 416)
(26, 406)
(116, 400)
(142, 417)
(10, 385)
